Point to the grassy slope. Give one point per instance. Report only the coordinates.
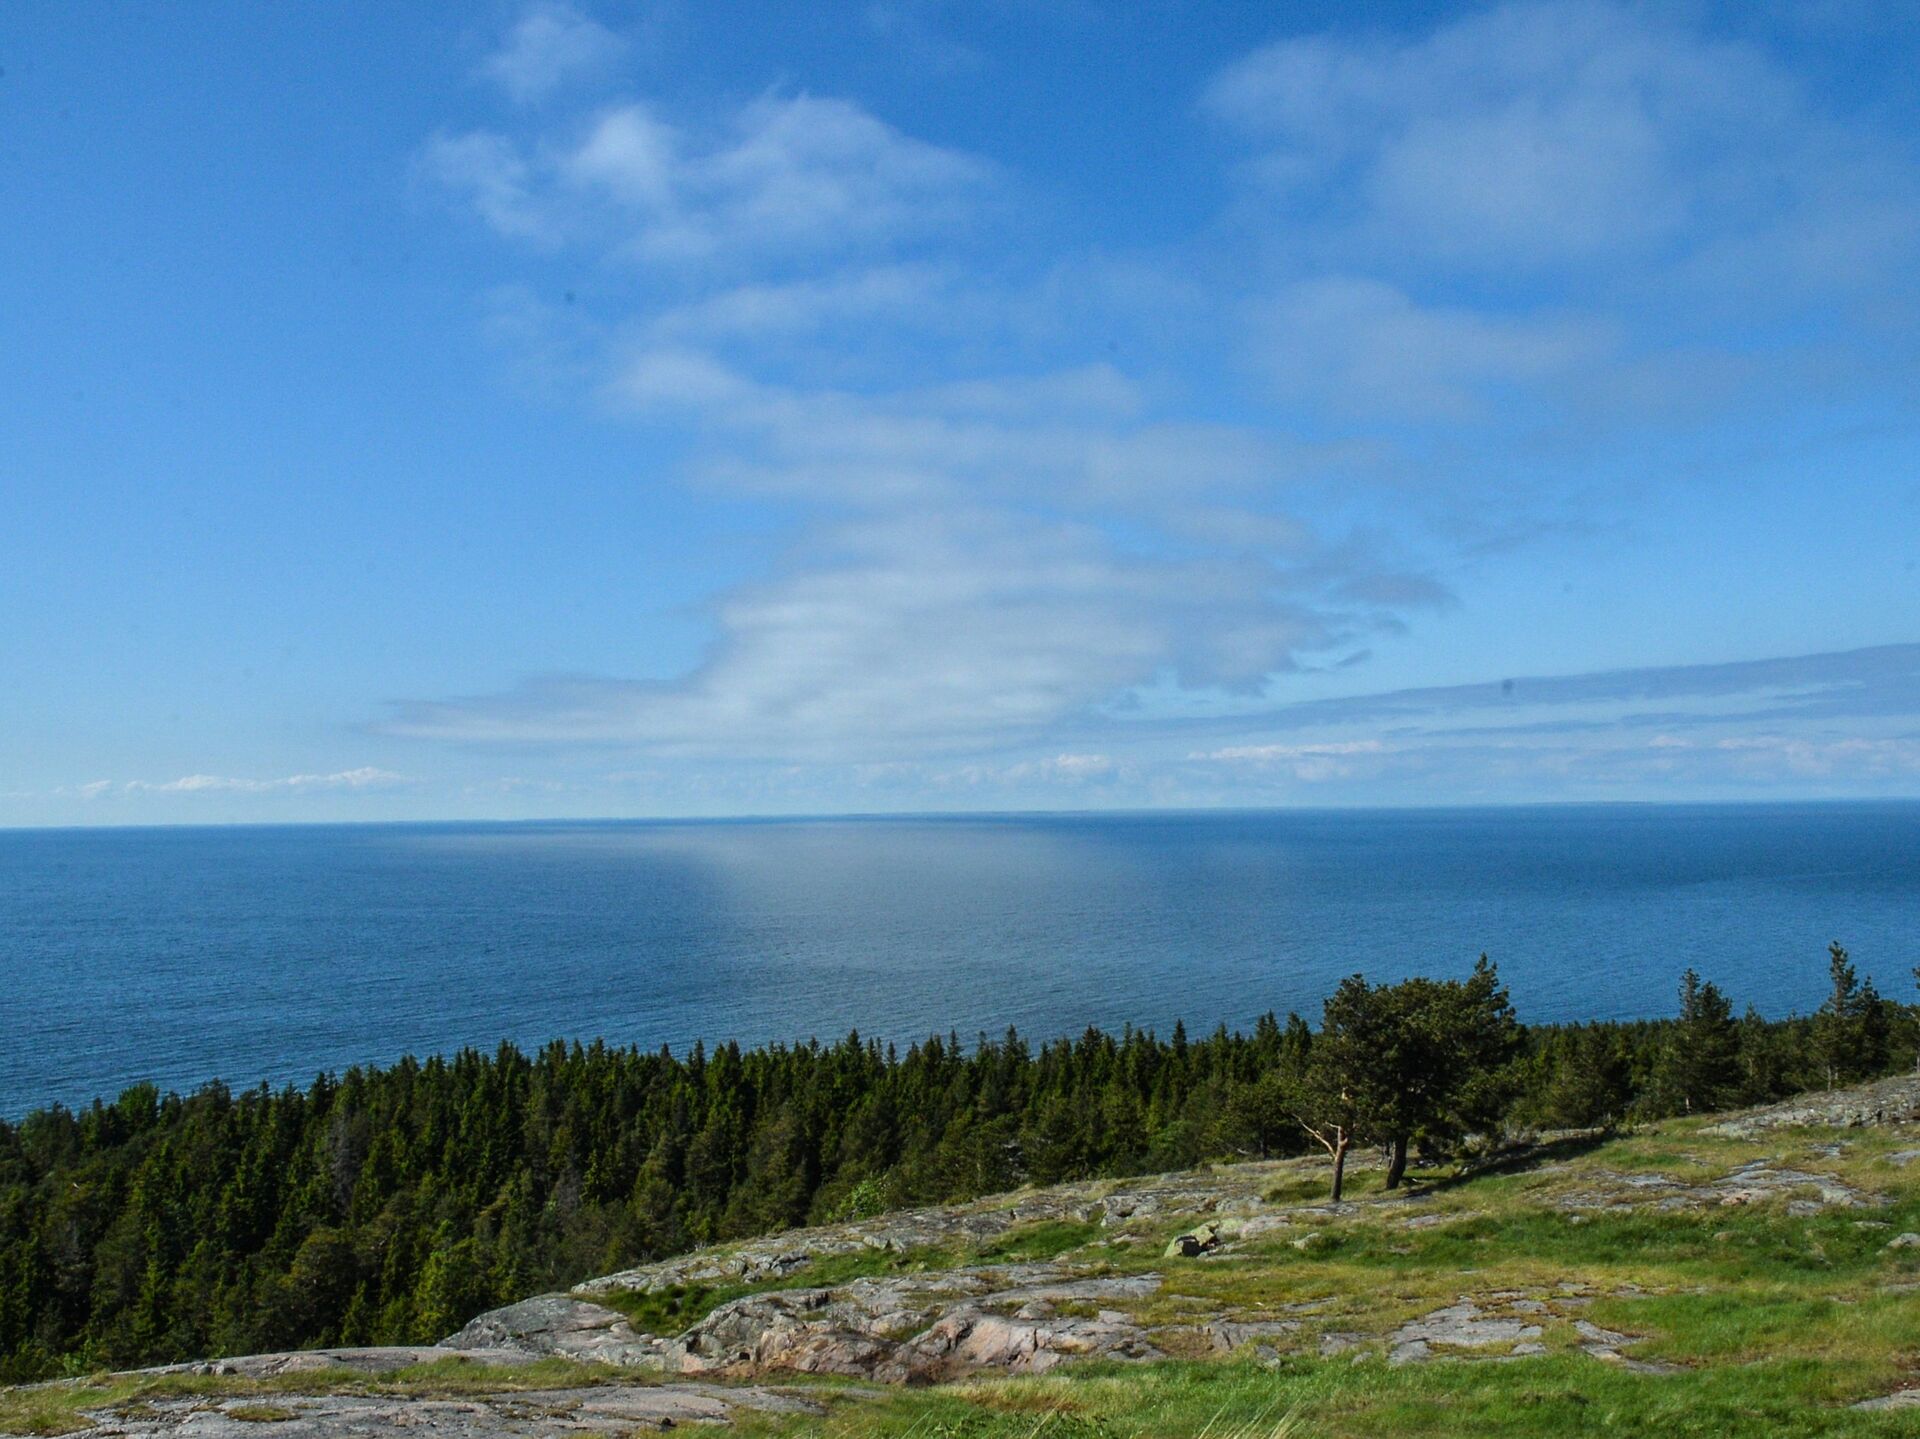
(1777, 1322)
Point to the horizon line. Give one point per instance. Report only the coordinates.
(1114, 812)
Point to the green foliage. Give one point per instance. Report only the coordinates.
(1852, 1031)
(390, 1206)
(1700, 1063)
(1419, 1060)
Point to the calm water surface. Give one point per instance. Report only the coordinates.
(271, 953)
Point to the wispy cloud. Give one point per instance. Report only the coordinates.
(1849, 720)
(1580, 133)
(1445, 251)
(488, 172)
(1367, 348)
(365, 778)
(781, 179)
(552, 44)
(1608, 173)
(945, 630)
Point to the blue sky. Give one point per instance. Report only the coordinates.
(468, 410)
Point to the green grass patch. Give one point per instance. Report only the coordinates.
(1044, 1239)
(1537, 1398)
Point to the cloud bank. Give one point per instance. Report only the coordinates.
(1463, 276)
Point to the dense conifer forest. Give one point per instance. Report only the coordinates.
(391, 1205)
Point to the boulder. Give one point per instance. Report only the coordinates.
(1194, 1242)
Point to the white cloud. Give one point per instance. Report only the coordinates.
(366, 777)
(1008, 531)
(756, 311)
(942, 630)
(1270, 753)
(1528, 132)
(1310, 763)
(551, 44)
(1367, 348)
(488, 172)
(782, 180)
(1822, 757)
(814, 172)
(1081, 765)
(1081, 439)
(1575, 135)
(970, 586)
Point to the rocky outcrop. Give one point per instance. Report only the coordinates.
(559, 1324)
(1889, 1101)
(1802, 1191)
(914, 1328)
(1235, 1190)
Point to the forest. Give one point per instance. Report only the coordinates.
(391, 1205)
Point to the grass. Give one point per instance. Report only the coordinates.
(1044, 1239)
(1339, 1399)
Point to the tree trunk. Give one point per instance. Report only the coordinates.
(1397, 1161)
(1339, 1168)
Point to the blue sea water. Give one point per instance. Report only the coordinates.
(179, 955)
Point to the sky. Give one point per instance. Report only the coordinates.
(659, 409)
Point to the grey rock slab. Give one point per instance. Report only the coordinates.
(1410, 1351)
(1228, 1334)
(1632, 1366)
(1464, 1325)
(1759, 1182)
(524, 1415)
(1592, 1332)
(1886, 1102)
(382, 1359)
(560, 1324)
(1899, 1399)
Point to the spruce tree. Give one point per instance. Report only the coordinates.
(1699, 1069)
(1850, 1033)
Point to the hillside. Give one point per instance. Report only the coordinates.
(1751, 1274)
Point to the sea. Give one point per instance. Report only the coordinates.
(270, 954)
